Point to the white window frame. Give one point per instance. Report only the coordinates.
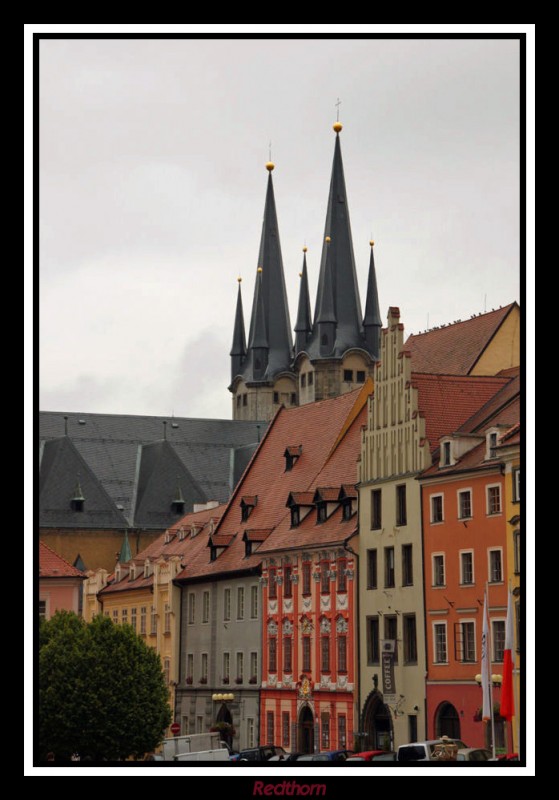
(458, 509)
(206, 608)
(487, 508)
(250, 731)
(191, 608)
(190, 665)
(450, 462)
(460, 554)
(433, 584)
(489, 433)
(516, 477)
(254, 605)
(167, 618)
(240, 658)
(431, 515)
(240, 605)
(204, 665)
(226, 671)
(444, 625)
(199, 723)
(462, 622)
(227, 604)
(495, 550)
(253, 660)
(493, 620)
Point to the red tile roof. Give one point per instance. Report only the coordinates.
(51, 565)
(257, 535)
(221, 539)
(512, 436)
(509, 395)
(329, 494)
(294, 450)
(455, 349)
(447, 401)
(349, 490)
(301, 498)
(249, 499)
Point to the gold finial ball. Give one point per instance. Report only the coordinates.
(300, 274)
(259, 269)
(270, 165)
(328, 240)
(372, 243)
(337, 126)
(305, 248)
(239, 279)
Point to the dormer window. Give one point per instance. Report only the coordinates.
(213, 553)
(177, 506)
(247, 505)
(78, 500)
(321, 512)
(300, 505)
(295, 516)
(248, 547)
(132, 573)
(292, 455)
(182, 534)
(492, 444)
(446, 455)
(347, 512)
(148, 569)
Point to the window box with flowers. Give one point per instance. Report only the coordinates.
(238, 680)
(225, 679)
(253, 680)
(190, 680)
(203, 680)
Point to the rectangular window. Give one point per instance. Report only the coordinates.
(492, 445)
(254, 602)
(272, 585)
(376, 509)
(438, 570)
(468, 636)
(303, 380)
(341, 574)
(391, 632)
(293, 399)
(516, 543)
(276, 397)
(306, 578)
(493, 500)
(143, 620)
(133, 617)
(325, 730)
(240, 603)
(250, 731)
(407, 565)
(342, 731)
(167, 670)
(226, 667)
(272, 654)
(254, 666)
(311, 378)
(360, 376)
(412, 728)
(437, 513)
(287, 655)
(238, 401)
(446, 454)
(206, 607)
(167, 618)
(324, 577)
(240, 667)
(306, 653)
(465, 504)
(373, 643)
(498, 629)
(124, 616)
(342, 654)
(516, 485)
(389, 574)
(287, 582)
(401, 506)
(200, 719)
(321, 512)
(348, 375)
(190, 666)
(285, 725)
(185, 726)
(467, 568)
(495, 566)
(325, 653)
(372, 564)
(153, 622)
(269, 727)
(115, 615)
(191, 608)
(410, 639)
(204, 667)
(227, 604)
(439, 639)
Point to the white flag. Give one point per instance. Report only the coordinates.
(485, 665)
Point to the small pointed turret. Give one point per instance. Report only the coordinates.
(372, 322)
(258, 344)
(303, 326)
(125, 554)
(238, 348)
(325, 320)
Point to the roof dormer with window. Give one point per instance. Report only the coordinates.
(248, 504)
(300, 505)
(292, 455)
(327, 501)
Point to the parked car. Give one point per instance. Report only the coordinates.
(474, 754)
(263, 753)
(424, 751)
(329, 755)
(373, 756)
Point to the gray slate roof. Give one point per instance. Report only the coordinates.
(129, 474)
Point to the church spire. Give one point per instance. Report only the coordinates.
(258, 343)
(325, 320)
(343, 277)
(372, 322)
(303, 326)
(238, 348)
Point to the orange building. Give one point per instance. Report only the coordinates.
(465, 548)
(60, 584)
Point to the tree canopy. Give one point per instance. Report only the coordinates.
(102, 692)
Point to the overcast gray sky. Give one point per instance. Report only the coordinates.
(152, 189)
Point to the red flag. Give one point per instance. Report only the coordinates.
(507, 693)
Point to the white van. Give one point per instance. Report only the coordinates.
(425, 751)
(194, 743)
(222, 754)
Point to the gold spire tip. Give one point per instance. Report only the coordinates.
(259, 269)
(270, 165)
(372, 243)
(327, 240)
(305, 248)
(239, 279)
(337, 126)
(300, 274)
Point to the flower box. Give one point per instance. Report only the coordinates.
(190, 680)
(253, 679)
(225, 679)
(203, 680)
(238, 680)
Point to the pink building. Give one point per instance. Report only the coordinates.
(60, 584)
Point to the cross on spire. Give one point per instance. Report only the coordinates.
(338, 104)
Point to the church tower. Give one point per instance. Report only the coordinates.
(341, 347)
(262, 377)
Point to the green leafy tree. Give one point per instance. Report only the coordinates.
(102, 691)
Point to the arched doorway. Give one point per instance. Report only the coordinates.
(224, 723)
(447, 721)
(377, 724)
(305, 730)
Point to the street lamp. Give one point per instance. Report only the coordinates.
(219, 697)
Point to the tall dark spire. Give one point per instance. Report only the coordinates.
(238, 348)
(258, 343)
(303, 326)
(372, 322)
(271, 295)
(347, 306)
(325, 320)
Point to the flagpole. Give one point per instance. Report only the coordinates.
(489, 661)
